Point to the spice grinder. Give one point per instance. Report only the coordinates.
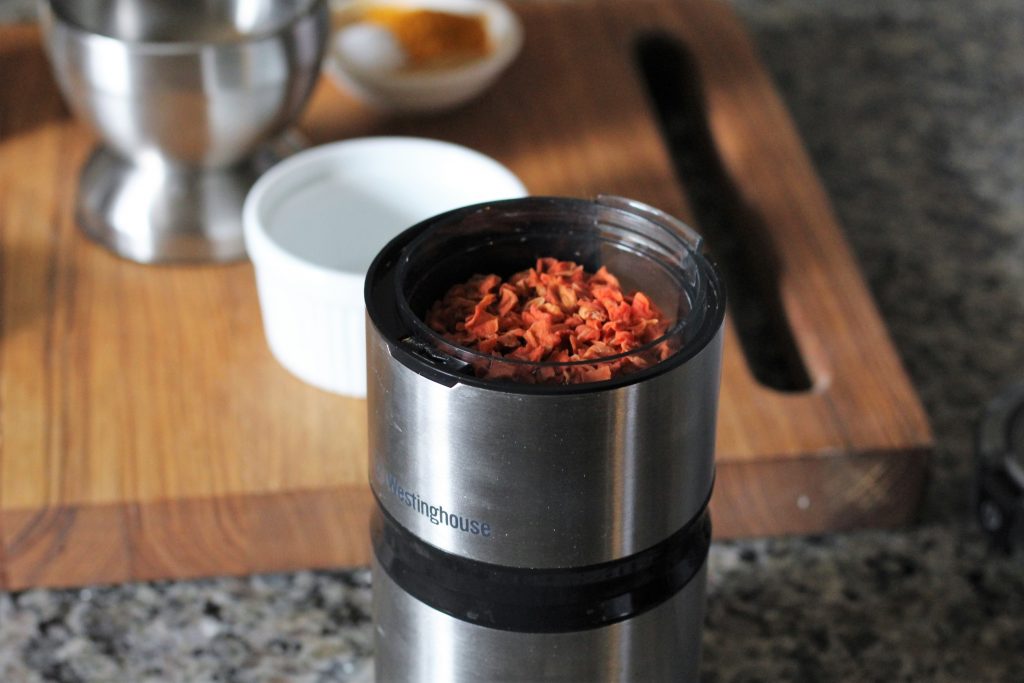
(528, 530)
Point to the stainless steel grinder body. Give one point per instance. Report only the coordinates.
(534, 532)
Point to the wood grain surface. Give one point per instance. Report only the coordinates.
(146, 432)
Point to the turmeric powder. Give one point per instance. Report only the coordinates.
(432, 38)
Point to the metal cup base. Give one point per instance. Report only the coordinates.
(151, 211)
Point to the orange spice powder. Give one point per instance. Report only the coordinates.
(432, 38)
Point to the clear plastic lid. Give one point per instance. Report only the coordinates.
(644, 248)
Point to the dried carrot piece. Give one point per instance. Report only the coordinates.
(554, 312)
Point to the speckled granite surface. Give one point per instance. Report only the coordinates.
(914, 115)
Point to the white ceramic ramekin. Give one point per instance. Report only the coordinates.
(314, 222)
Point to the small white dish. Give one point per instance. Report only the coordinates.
(365, 66)
(314, 222)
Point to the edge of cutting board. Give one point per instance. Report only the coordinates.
(149, 434)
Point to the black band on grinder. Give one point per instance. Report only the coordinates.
(540, 600)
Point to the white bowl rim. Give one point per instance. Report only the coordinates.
(265, 251)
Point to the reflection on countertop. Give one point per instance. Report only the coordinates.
(912, 114)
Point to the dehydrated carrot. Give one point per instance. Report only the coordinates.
(554, 312)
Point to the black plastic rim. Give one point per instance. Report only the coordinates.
(381, 292)
(540, 600)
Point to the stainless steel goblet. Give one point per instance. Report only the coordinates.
(192, 99)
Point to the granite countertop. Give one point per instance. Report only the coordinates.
(914, 115)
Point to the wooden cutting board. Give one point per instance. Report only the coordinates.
(147, 432)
